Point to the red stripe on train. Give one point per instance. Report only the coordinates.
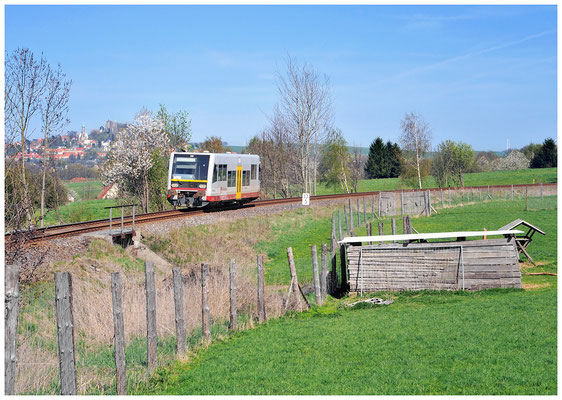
(231, 196)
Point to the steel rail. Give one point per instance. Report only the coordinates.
(58, 231)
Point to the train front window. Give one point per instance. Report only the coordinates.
(190, 167)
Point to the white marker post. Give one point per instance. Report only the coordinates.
(306, 199)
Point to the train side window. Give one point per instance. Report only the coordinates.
(222, 172)
(216, 173)
(254, 170)
(245, 178)
(231, 179)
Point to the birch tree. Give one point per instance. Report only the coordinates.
(305, 107)
(54, 111)
(129, 161)
(416, 141)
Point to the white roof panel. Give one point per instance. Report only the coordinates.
(426, 236)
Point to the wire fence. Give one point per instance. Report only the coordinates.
(37, 368)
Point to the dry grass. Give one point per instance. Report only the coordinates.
(93, 316)
(531, 286)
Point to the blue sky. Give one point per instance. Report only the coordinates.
(480, 74)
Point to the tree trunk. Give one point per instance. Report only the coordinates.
(43, 189)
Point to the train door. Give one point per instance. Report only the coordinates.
(238, 182)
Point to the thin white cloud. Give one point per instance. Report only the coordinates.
(469, 55)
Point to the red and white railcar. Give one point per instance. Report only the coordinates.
(202, 179)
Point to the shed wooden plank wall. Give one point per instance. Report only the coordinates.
(414, 266)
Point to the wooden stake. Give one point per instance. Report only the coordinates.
(150, 288)
(340, 237)
(316, 276)
(261, 285)
(324, 271)
(233, 315)
(178, 305)
(205, 311)
(65, 332)
(11, 312)
(118, 335)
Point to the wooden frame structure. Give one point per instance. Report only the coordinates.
(524, 241)
(413, 262)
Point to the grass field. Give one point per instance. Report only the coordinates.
(539, 175)
(491, 342)
(82, 210)
(500, 341)
(87, 190)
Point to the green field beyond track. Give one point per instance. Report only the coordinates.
(500, 341)
(518, 177)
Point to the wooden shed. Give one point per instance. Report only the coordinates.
(449, 261)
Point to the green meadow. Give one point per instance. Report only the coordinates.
(500, 341)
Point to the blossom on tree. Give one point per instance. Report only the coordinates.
(131, 157)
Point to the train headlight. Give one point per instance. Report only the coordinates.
(202, 186)
(175, 184)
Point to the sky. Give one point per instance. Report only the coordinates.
(478, 74)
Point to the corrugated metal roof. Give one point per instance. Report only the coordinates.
(426, 236)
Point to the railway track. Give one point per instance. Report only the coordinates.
(58, 231)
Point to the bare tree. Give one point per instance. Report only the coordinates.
(54, 111)
(357, 167)
(279, 165)
(26, 81)
(416, 141)
(305, 109)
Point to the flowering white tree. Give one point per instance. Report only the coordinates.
(132, 156)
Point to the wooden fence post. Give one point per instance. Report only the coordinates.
(346, 220)
(343, 269)
(261, 284)
(373, 207)
(381, 230)
(358, 213)
(334, 280)
(233, 316)
(408, 225)
(428, 209)
(65, 332)
(316, 276)
(205, 312)
(295, 287)
(380, 204)
(339, 225)
(511, 192)
(394, 227)
(178, 305)
(402, 202)
(324, 271)
(351, 218)
(364, 211)
(333, 233)
(370, 231)
(151, 335)
(118, 335)
(11, 311)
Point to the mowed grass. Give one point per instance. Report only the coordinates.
(500, 341)
(490, 342)
(523, 176)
